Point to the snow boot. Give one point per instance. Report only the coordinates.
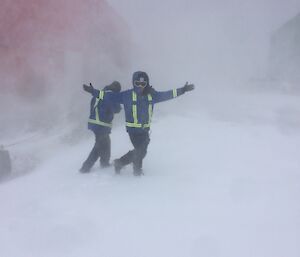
(137, 172)
(118, 166)
(105, 165)
(84, 169)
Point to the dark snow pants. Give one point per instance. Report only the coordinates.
(140, 143)
(101, 149)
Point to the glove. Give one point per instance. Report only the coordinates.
(188, 87)
(89, 88)
(148, 90)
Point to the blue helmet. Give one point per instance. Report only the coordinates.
(140, 79)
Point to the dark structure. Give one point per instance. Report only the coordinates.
(5, 163)
(285, 53)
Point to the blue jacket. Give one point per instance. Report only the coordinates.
(139, 108)
(102, 112)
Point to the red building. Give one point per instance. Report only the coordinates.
(45, 43)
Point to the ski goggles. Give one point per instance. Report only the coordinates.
(139, 83)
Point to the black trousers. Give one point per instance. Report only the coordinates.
(101, 149)
(140, 143)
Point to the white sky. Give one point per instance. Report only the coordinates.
(210, 42)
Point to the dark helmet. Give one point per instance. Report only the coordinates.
(115, 87)
(140, 79)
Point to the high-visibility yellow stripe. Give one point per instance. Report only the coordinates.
(150, 113)
(100, 97)
(135, 123)
(97, 114)
(174, 93)
(150, 109)
(134, 108)
(96, 102)
(98, 122)
(101, 94)
(134, 96)
(134, 113)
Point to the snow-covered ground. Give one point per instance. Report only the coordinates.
(222, 179)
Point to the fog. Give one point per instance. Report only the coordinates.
(221, 175)
(50, 50)
(211, 43)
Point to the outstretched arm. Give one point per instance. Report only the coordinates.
(170, 94)
(90, 89)
(116, 98)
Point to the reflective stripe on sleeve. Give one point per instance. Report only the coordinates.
(174, 93)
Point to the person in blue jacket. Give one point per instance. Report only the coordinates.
(100, 122)
(138, 106)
